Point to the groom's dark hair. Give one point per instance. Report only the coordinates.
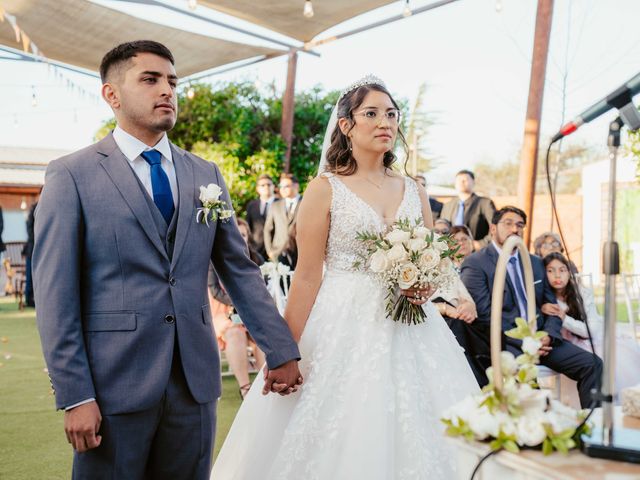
(117, 57)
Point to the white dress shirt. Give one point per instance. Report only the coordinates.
(131, 147)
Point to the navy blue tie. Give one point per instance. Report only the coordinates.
(162, 196)
(522, 296)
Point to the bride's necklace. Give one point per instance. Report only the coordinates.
(377, 185)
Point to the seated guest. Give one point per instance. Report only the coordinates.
(547, 243)
(233, 337)
(577, 309)
(436, 206)
(478, 272)
(442, 226)
(464, 240)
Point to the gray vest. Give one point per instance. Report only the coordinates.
(167, 232)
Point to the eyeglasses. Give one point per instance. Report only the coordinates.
(265, 184)
(511, 224)
(441, 231)
(553, 244)
(372, 116)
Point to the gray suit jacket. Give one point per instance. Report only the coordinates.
(112, 302)
(276, 227)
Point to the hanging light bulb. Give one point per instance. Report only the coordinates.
(34, 100)
(23, 204)
(191, 93)
(498, 6)
(406, 12)
(193, 4)
(308, 9)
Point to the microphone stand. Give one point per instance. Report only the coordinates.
(607, 441)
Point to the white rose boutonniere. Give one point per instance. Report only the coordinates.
(212, 207)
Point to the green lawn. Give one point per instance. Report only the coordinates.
(32, 441)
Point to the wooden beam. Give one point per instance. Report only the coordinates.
(288, 107)
(529, 156)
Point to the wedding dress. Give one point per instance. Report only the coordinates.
(373, 389)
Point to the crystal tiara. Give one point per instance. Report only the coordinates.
(367, 80)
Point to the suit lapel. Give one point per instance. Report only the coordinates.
(122, 175)
(493, 255)
(186, 194)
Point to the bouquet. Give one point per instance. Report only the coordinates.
(408, 255)
(518, 415)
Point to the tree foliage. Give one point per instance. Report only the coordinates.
(237, 125)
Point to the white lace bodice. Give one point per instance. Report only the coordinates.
(350, 214)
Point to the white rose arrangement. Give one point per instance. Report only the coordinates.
(408, 255)
(520, 415)
(212, 207)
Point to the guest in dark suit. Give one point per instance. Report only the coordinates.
(27, 252)
(2, 245)
(436, 206)
(478, 272)
(257, 212)
(281, 216)
(470, 209)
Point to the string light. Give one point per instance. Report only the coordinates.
(193, 4)
(406, 12)
(308, 9)
(191, 93)
(498, 6)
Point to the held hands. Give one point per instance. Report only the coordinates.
(81, 425)
(466, 311)
(284, 380)
(546, 346)
(553, 309)
(418, 296)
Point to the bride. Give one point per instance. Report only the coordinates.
(374, 389)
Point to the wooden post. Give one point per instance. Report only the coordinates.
(529, 157)
(286, 130)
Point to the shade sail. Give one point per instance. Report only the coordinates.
(285, 16)
(79, 33)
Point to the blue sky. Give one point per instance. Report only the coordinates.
(474, 59)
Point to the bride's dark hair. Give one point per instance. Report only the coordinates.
(339, 157)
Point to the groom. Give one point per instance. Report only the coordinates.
(120, 268)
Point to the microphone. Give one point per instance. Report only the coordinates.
(619, 98)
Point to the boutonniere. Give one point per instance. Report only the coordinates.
(212, 207)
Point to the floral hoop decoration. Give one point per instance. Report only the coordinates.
(511, 412)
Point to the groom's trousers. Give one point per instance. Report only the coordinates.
(171, 441)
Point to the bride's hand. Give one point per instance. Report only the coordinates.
(418, 296)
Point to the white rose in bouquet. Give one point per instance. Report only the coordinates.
(416, 244)
(440, 246)
(408, 275)
(210, 193)
(430, 258)
(533, 402)
(530, 430)
(561, 417)
(445, 264)
(378, 262)
(463, 410)
(397, 253)
(531, 345)
(397, 236)
(421, 232)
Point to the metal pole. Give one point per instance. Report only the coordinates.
(611, 267)
(529, 157)
(288, 105)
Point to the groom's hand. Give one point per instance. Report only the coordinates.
(81, 425)
(283, 380)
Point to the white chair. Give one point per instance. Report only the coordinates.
(631, 283)
(585, 279)
(544, 374)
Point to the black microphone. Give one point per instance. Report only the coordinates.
(619, 98)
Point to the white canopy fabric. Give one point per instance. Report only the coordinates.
(79, 33)
(285, 16)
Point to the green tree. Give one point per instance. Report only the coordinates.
(417, 128)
